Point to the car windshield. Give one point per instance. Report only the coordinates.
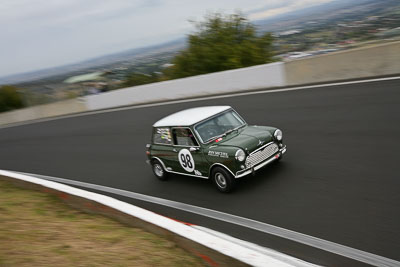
(219, 125)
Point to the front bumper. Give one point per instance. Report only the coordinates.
(274, 157)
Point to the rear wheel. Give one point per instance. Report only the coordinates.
(222, 179)
(159, 171)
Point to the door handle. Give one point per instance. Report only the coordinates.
(174, 150)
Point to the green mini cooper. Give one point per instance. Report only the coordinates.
(212, 142)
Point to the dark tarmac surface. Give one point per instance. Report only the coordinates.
(339, 181)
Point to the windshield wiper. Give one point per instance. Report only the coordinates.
(234, 129)
(229, 131)
(225, 134)
(214, 138)
(240, 126)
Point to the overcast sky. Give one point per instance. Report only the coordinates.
(37, 34)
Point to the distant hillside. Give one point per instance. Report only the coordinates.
(306, 18)
(323, 13)
(95, 63)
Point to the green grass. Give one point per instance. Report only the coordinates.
(37, 229)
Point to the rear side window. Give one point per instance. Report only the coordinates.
(162, 136)
(184, 137)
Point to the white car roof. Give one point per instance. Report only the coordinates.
(190, 116)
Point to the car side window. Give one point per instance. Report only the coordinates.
(162, 136)
(184, 137)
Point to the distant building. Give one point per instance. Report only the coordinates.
(167, 65)
(90, 83)
(94, 76)
(290, 32)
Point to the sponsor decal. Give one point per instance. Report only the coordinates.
(197, 172)
(218, 154)
(164, 134)
(186, 160)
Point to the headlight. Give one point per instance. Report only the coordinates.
(240, 155)
(278, 135)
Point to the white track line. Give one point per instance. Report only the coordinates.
(223, 245)
(249, 245)
(267, 91)
(329, 246)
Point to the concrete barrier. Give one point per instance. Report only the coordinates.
(262, 76)
(380, 60)
(365, 62)
(43, 111)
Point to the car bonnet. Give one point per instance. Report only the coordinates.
(250, 138)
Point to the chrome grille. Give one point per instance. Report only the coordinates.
(261, 154)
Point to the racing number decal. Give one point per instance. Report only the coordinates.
(186, 160)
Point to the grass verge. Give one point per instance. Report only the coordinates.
(37, 229)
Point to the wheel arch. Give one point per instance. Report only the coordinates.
(159, 160)
(219, 165)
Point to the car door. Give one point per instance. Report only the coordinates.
(189, 155)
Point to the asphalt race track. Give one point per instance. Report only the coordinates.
(339, 181)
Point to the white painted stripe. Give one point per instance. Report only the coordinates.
(254, 247)
(234, 250)
(267, 91)
(329, 246)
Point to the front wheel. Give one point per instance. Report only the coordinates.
(159, 171)
(222, 179)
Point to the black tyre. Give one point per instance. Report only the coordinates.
(158, 170)
(223, 180)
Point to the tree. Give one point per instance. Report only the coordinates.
(10, 98)
(221, 43)
(139, 78)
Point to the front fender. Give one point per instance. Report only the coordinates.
(224, 156)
